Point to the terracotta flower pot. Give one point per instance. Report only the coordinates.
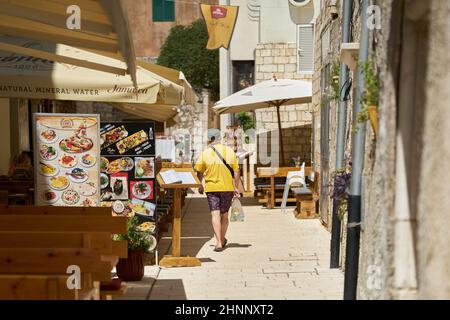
(373, 116)
(132, 268)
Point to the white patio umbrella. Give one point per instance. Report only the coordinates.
(272, 93)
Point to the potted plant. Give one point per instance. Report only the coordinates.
(139, 242)
(369, 99)
(340, 186)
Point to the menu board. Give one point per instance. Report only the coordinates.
(67, 155)
(127, 166)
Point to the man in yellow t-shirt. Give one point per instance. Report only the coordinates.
(219, 167)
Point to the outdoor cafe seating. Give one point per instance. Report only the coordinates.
(270, 184)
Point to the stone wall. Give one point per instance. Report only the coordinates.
(280, 60)
(189, 129)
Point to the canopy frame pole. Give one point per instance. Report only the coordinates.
(280, 133)
(278, 104)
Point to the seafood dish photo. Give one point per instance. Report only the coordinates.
(141, 190)
(87, 189)
(47, 169)
(143, 207)
(49, 196)
(118, 207)
(132, 141)
(70, 197)
(59, 183)
(77, 143)
(119, 185)
(113, 136)
(104, 163)
(147, 226)
(68, 161)
(106, 194)
(113, 167)
(144, 168)
(126, 164)
(49, 136)
(88, 203)
(78, 175)
(104, 180)
(88, 160)
(47, 152)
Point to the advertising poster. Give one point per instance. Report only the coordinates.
(127, 166)
(67, 156)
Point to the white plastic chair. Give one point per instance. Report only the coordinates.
(296, 178)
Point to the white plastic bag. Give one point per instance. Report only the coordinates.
(236, 212)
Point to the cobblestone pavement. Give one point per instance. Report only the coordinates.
(271, 255)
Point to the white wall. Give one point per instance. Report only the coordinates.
(245, 35)
(276, 24)
(5, 147)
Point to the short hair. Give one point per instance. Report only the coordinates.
(213, 135)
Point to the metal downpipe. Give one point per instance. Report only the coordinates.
(354, 202)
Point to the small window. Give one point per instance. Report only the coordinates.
(305, 46)
(163, 10)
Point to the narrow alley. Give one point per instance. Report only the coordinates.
(271, 255)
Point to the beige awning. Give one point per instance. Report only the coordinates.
(154, 112)
(104, 29)
(176, 76)
(23, 76)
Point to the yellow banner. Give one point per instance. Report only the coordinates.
(220, 21)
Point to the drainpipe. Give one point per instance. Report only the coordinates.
(340, 144)
(354, 201)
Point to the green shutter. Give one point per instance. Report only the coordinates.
(163, 10)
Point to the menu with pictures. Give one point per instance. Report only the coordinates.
(67, 156)
(127, 166)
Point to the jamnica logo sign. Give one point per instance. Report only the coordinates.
(218, 12)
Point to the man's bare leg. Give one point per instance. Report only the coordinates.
(224, 222)
(216, 222)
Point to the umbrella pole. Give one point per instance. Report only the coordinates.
(280, 133)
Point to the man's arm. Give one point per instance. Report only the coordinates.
(200, 177)
(237, 179)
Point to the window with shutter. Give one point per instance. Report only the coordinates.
(163, 10)
(305, 46)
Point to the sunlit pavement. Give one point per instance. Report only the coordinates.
(271, 255)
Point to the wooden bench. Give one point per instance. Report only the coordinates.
(270, 184)
(306, 199)
(37, 244)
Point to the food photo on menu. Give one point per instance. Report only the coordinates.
(142, 190)
(67, 160)
(143, 207)
(110, 137)
(119, 186)
(144, 167)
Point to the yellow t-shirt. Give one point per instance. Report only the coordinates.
(217, 176)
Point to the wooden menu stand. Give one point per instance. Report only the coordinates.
(176, 260)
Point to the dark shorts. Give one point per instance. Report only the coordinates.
(220, 201)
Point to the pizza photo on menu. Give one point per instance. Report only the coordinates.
(77, 143)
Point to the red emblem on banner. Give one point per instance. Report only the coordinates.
(218, 12)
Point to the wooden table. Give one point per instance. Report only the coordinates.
(176, 260)
(272, 173)
(245, 156)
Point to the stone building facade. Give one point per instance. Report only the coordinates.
(404, 239)
(280, 60)
(404, 252)
(328, 40)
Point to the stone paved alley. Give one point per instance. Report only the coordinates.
(271, 255)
